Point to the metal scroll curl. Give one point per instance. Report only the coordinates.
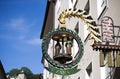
(91, 24)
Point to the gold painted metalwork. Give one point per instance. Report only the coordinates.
(109, 57)
(91, 25)
(101, 59)
(57, 48)
(117, 59)
(69, 48)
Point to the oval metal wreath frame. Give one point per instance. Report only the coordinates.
(45, 45)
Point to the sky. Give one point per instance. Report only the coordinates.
(20, 28)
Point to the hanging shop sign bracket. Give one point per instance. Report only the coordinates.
(107, 47)
(62, 62)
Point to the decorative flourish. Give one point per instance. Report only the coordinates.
(53, 62)
(91, 24)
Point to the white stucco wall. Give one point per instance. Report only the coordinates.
(89, 56)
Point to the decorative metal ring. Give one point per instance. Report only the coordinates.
(45, 43)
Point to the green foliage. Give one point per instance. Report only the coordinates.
(14, 72)
(27, 71)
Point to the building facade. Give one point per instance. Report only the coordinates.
(2, 71)
(89, 65)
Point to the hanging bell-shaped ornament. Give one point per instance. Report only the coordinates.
(109, 57)
(117, 59)
(60, 57)
(69, 47)
(101, 59)
(57, 48)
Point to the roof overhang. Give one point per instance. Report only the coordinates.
(48, 19)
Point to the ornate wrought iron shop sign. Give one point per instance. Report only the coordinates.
(107, 29)
(62, 61)
(108, 48)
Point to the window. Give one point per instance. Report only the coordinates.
(58, 5)
(89, 71)
(87, 9)
(86, 76)
(77, 28)
(78, 77)
(72, 3)
(101, 7)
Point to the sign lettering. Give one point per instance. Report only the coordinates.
(107, 29)
(63, 71)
